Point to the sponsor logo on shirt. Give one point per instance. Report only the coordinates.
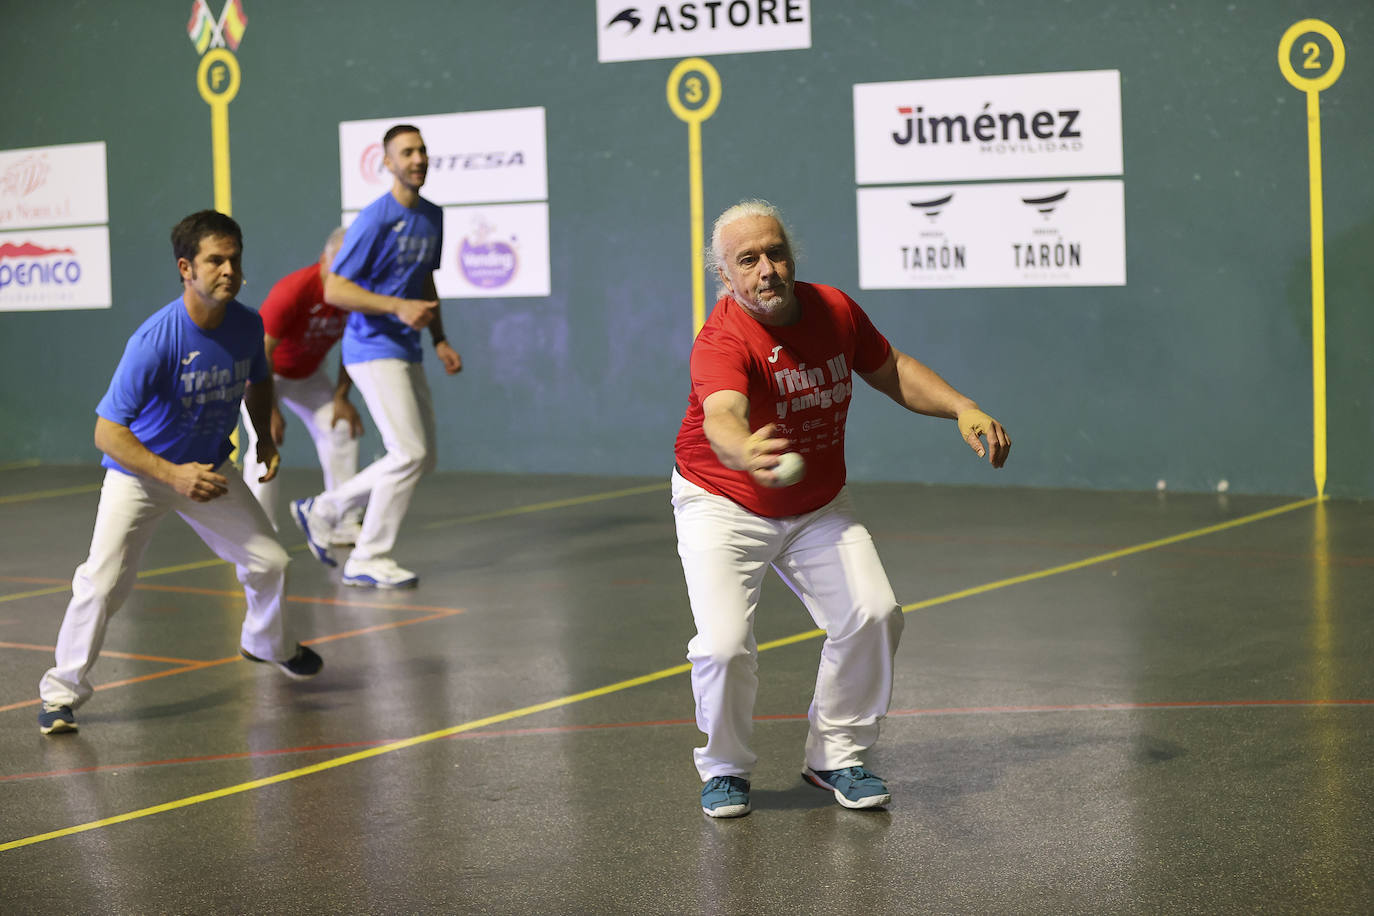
(206, 386)
(802, 388)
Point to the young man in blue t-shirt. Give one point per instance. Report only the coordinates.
(384, 274)
(164, 427)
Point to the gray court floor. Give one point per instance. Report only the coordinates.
(1105, 703)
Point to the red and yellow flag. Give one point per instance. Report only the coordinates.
(232, 22)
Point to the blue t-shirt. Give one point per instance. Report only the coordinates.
(178, 386)
(390, 250)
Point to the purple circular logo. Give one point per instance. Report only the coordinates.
(487, 265)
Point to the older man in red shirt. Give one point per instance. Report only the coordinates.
(772, 373)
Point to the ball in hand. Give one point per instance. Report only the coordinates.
(790, 469)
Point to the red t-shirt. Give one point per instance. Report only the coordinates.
(296, 314)
(798, 377)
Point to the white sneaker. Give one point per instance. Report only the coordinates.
(315, 528)
(378, 572)
(348, 529)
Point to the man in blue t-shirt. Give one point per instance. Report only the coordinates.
(384, 274)
(164, 427)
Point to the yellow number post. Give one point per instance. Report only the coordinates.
(693, 94)
(1312, 60)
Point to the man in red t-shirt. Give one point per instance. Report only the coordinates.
(772, 373)
(299, 330)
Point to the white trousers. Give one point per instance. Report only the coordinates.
(828, 560)
(312, 400)
(397, 396)
(233, 526)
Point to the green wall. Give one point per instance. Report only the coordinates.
(1198, 370)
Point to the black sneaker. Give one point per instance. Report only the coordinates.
(53, 719)
(305, 664)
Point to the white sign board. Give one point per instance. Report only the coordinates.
(495, 251)
(626, 30)
(1035, 125)
(53, 186)
(474, 157)
(55, 269)
(1042, 233)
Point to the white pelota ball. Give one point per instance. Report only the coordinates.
(790, 468)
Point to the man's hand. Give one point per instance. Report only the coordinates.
(417, 313)
(269, 458)
(974, 424)
(760, 455)
(345, 412)
(201, 483)
(448, 357)
(278, 426)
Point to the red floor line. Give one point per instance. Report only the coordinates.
(566, 729)
(198, 665)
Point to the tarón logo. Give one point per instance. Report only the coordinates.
(1045, 205)
(932, 208)
(205, 33)
(628, 15)
(25, 176)
(34, 265)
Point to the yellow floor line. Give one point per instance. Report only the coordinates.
(618, 686)
(544, 507)
(16, 465)
(504, 513)
(45, 494)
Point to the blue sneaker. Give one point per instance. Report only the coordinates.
(317, 531)
(854, 787)
(725, 796)
(53, 719)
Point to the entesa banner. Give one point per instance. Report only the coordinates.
(474, 157)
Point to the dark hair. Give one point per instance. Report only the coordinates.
(396, 132)
(186, 235)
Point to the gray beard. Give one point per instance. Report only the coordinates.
(759, 307)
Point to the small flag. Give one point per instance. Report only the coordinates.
(201, 27)
(232, 22)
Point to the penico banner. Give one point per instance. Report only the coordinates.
(54, 241)
(1026, 233)
(49, 269)
(1036, 125)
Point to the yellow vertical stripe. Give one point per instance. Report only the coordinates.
(1314, 156)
